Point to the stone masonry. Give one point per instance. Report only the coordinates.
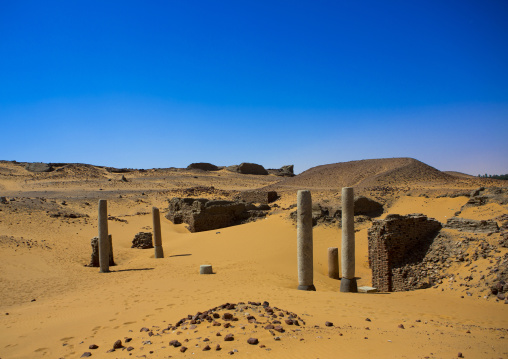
(395, 245)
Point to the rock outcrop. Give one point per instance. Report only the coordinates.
(203, 215)
(284, 171)
(203, 166)
(248, 169)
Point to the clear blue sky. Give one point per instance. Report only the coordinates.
(165, 83)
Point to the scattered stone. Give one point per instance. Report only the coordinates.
(129, 349)
(86, 355)
(93, 346)
(367, 320)
(175, 343)
(329, 324)
(39, 167)
(183, 349)
(206, 348)
(118, 344)
(459, 355)
(253, 341)
(218, 347)
(229, 338)
(401, 326)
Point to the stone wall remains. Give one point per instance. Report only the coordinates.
(396, 244)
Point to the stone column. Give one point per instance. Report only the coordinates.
(304, 241)
(333, 263)
(104, 243)
(159, 253)
(348, 281)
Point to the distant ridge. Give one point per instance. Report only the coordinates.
(367, 173)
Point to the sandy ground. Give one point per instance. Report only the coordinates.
(52, 306)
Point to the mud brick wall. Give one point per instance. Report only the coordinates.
(263, 197)
(396, 242)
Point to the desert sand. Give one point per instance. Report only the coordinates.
(52, 306)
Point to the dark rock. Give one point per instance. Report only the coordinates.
(401, 326)
(118, 344)
(183, 349)
(459, 355)
(270, 326)
(206, 348)
(93, 346)
(253, 341)
(500, 296)
(142, 240)
(38, 167)
(175, 343)
(218, 347)
(227, 316)
(3, 200)
(144, 329)
(279, 329)
(130, 348)
(86, 355)
(123, 179)
(329, 324)
(229, 338)
(204, 166)
(127, 340)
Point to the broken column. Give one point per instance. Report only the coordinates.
(333, 263)
(104, 244)
(304, 241)
(348, 281)
(159, 253)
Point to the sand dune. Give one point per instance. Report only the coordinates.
(43, 256)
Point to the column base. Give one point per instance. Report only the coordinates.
(348, 285)
(307, 287)
(159, 253)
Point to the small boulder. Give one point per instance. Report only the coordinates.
(252, 341)
(142, 240)
(38, 167)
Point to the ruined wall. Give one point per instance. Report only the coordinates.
(263, 197)
(397, 245)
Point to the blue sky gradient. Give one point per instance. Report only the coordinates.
(166, 83)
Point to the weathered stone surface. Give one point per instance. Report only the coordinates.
(304, 241)
(396, 245)
(142, 240)
(205, 269)
(263, 197)
(284, 171)
(204, 166)
(3, 200)
(472, 225)
(39, 167)
(247, 168)
(203, 215)
(94, 260)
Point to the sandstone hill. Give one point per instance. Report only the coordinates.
(372, 173)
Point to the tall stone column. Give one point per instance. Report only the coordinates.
(348, 281)
(333, 263)
(304, 241)
(159, 252)
(104, 243)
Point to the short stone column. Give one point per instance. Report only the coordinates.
(159, 252)
(348, 281)
(304, 241)
(205, 269)
(333, 263)
(104, 243)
